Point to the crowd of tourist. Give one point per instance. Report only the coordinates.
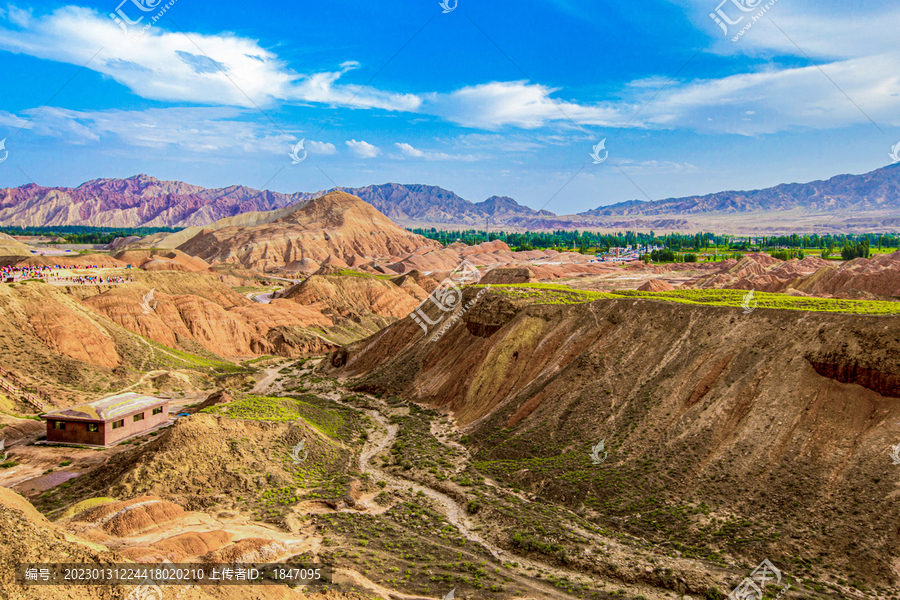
(93, 280)
(27, 272)
(51, 274)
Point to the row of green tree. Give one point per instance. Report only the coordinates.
(77, 234)
(697, 242)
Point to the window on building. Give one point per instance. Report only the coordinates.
(157, 410)
(119, 423)
(59, 424)
(93, 427)
(138, 417)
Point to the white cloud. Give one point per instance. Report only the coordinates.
(410, 151)
(503, 143)
(655, 167)
(363, 149)
(517, 103)
(224, 130)
(785, 99)
(321, 147)
(169, 66)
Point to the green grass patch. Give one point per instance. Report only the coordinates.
(548, 293)
(735, 298)
(321, 414)
(180, 358)
(351, 273)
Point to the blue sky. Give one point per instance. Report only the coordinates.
(492, 98)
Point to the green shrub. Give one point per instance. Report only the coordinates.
(713, 593)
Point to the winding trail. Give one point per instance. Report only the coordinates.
(265, 385)
(383, 436)
(454, 513)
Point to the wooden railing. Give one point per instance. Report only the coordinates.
(14, 385)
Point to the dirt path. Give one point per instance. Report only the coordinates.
(264, 386)
(384, 435)
(265, 298)
(152, 350)
(141, 380)
(383, 438)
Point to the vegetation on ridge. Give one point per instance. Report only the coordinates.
(543, 293)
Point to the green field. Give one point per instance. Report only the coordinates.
(352, 273)
(544, 293)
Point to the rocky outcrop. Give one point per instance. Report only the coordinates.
(28, 537)
(656, 285)
(355, 296)
(508, 275)
(328, 228)
(167, 260)
(873, 278)
(239, 331)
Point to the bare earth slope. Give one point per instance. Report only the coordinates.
(741, 436)
(876, 277)
(336, 224)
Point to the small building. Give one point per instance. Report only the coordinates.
(106, 421)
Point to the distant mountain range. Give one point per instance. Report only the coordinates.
(875, 191)
(850, 202)
(139, 201)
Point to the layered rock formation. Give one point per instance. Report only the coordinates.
(336, 225)
(876, 277)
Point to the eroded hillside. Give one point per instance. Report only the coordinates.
(740, 436)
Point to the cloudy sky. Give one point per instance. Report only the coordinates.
(490, 98)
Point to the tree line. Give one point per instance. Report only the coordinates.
(77, 234)
(858, 244)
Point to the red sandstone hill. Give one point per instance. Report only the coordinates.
(878, 276)
(336, 225)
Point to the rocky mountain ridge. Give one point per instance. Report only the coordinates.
(866, 200)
